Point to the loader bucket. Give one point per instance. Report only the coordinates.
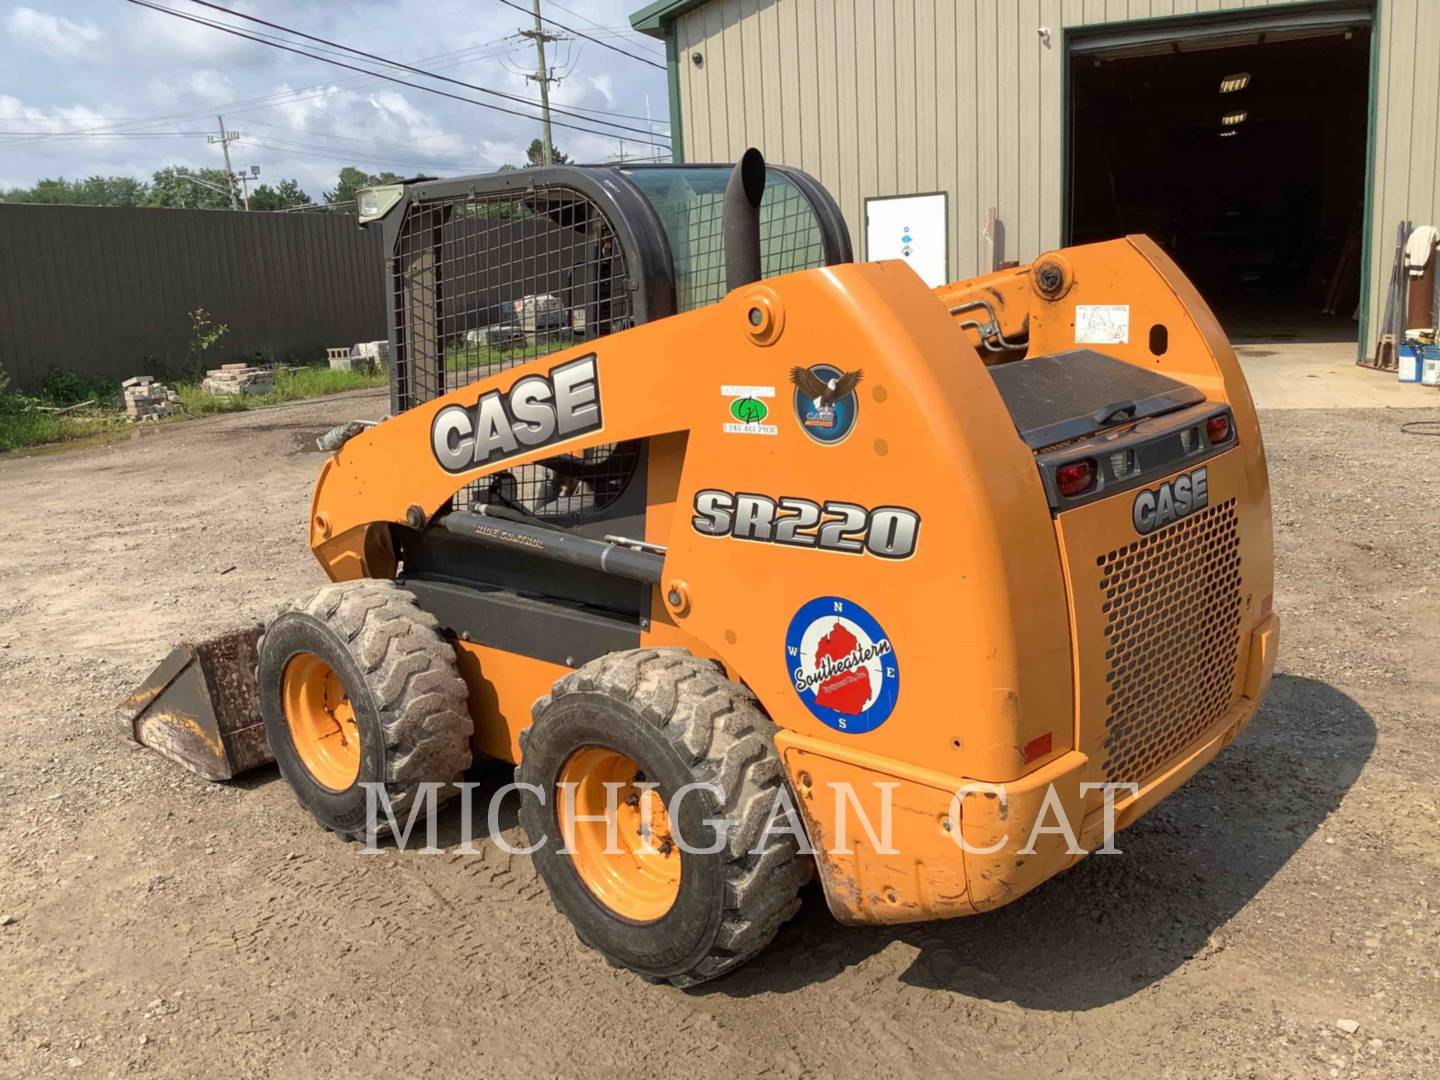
(199, 707)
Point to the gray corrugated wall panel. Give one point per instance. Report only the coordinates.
(867, 102)
(766, 20)
(889, 108)
(13, 322)
(809, 71)
(847, 178)
(97, 290)
(1030, 47)
(924, 86)
(987, 127)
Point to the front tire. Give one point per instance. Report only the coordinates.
(666, 718)
(358, 686)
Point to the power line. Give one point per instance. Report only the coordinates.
(351, 157)
(103, 134)
(367, 71)
(621, 32)
(242, 106)
(373, 56)
(577, 33)
(363, 71)
(367, 142)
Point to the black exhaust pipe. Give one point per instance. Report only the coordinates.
(742, 220)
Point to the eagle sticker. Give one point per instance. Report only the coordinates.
(842, 665)
(825, 401)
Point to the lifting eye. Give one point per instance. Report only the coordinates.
(1159, 339)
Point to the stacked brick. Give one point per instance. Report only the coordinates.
(365, 356)
(146, 399)
(229, 379)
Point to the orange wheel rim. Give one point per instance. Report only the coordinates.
(321, 721)
(629, 861)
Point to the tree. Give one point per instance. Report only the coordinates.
(352, 180)
(178, 187)
(93, 191)
(535, 154)
(283, 196)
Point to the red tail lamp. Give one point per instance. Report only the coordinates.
(1075, 477)
(1218, 429)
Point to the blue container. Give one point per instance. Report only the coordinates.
(1409, 363)
(1430, 365)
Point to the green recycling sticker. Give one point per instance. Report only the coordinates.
(748, 410)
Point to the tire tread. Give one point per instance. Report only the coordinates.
(411, 674)
(719, 728)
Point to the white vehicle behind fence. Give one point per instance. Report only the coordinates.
(522, 320)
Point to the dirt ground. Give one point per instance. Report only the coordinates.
(1278, 916)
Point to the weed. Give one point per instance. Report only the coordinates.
(205, 334)
(66, 388)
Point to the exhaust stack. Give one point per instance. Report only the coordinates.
(742, 220)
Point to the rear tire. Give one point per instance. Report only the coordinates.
(680, 721)
(405, 702)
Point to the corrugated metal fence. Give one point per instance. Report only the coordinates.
(108, 292)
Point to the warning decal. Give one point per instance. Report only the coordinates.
(1102, 324)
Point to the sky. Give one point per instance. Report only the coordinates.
(106, 87)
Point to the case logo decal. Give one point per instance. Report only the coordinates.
(536, 411)
(1171, 501)
(825, 401)
(842, 665)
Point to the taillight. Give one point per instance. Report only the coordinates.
(1076, 477)
(1218, 429)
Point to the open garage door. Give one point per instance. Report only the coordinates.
(1239, 144)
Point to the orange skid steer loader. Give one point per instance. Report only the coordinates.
(743, 524)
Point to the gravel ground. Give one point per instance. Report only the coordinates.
(1278, 916)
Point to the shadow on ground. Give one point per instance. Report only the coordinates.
(1106, 928)
(1113, 925)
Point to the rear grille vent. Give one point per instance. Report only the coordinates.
(1171, 604)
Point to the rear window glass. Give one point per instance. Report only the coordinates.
(691, 200)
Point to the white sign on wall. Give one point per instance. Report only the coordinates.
(910, 227)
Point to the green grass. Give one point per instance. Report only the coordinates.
(481, 360)
(25, 423)
(24, 420)
(296, 385)
(22, 428)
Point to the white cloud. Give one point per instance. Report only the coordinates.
(54, 35)
(211, 85)
(73, 118)
(152, 37)
(177, 75)
(605, 84)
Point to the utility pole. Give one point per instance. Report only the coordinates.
(543, 77)
(225, 138)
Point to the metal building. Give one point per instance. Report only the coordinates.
(1271, 145)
